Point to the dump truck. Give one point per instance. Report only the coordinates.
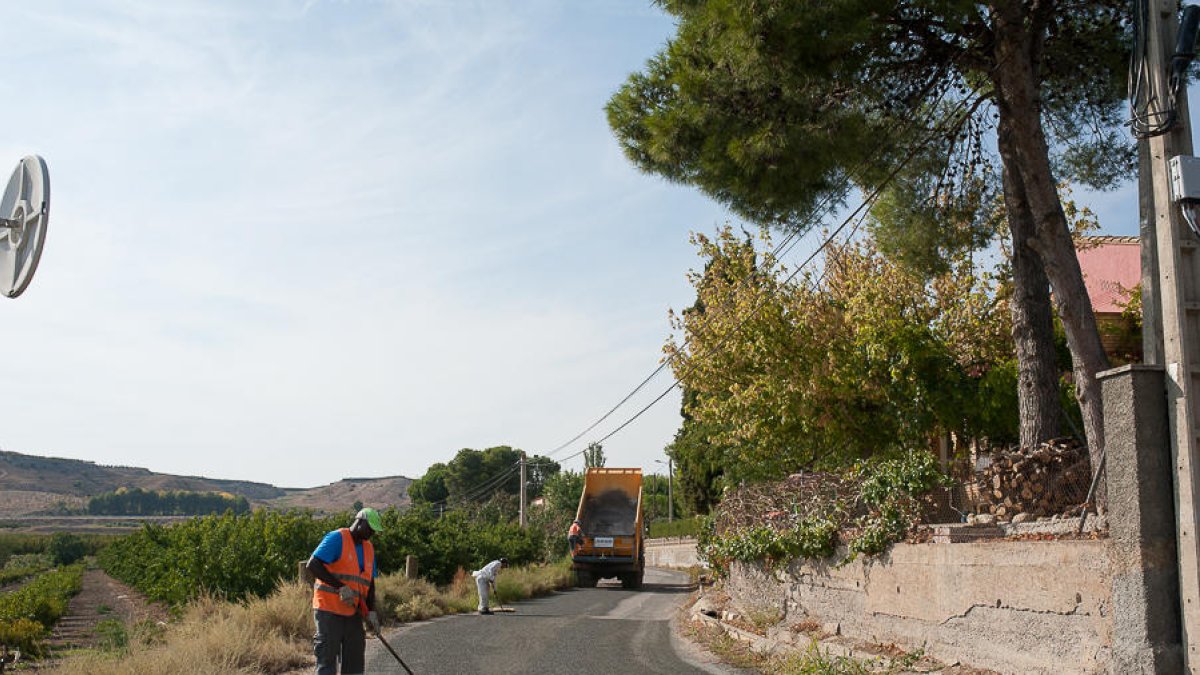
(610, 515)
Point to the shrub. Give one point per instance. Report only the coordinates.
(65, 548)
(685, 527)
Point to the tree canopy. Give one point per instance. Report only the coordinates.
(779, 108)
(475, 475)
(787, 375)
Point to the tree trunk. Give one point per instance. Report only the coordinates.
(1017, 41)
(1033, 322)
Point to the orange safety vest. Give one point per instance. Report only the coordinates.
(346, 570)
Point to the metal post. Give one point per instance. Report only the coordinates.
(522, 488)
(1180, 292)
(670, 495)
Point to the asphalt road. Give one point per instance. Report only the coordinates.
(580, 631)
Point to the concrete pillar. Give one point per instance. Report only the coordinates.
(1141, 517)
(410, 566)
(303, 574)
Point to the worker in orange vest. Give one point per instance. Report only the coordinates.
(575, 536)
(345, 571)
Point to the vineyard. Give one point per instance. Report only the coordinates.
(28, 613)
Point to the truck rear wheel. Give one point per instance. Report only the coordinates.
(632, 580)
(585, 579)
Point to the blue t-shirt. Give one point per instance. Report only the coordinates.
(330, 549)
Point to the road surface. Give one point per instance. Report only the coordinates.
(576, 632)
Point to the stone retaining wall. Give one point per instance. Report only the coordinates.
(1011, 606)
(677, 552)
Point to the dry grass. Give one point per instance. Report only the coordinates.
(273, 635)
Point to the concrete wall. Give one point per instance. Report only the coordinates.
(1011, 606)
(672, 552)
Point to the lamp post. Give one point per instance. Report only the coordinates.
(670, 498)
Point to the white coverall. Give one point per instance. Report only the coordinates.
(482, 578)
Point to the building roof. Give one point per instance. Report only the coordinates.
(1112, 267)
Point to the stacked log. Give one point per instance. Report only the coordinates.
(1043, 481)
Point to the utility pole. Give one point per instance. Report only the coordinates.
(1179, 289)
(522, 488)
(670, 496)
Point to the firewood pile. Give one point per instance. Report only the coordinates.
(1043, 481)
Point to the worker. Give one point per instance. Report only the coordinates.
(345, 571)
(487, 577)
(575, 536)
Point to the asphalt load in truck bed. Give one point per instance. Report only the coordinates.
(609, 513)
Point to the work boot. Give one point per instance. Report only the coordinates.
(486, 612)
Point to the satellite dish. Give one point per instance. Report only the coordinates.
(24, 214)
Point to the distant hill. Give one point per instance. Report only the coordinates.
(32, 485)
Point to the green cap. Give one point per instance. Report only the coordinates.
(372, 517)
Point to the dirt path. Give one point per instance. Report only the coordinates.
(100, 598)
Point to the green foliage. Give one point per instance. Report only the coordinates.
(240, 556)
(593, 455)
(27, 613)
(681, 527)
(137, 501)
(784, 376)
(65, 548)
(802, 538)
(25, 635)
(461, 478)
(886, 501)
(228, 556)
(112, 635)
(764, 108)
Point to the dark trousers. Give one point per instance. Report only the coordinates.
(339, 638)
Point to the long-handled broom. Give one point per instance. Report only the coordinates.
(379, 634)
(499, 605)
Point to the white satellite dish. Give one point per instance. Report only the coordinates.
(24, 214)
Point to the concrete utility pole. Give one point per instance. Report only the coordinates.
(522, 488)
(670, 493)
(1179, 287)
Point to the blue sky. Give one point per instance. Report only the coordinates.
(293, 242)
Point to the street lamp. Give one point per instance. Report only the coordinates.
(670, 498)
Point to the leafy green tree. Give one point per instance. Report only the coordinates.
(784, 377)
(699, 463)
(775, 108)
(430, 488)
(65, 548)
(476, 475)
(593, 455)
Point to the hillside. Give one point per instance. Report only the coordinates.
(32, 485)
(379, 493)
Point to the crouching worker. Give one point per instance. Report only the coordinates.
(344, 566)
(487, 577)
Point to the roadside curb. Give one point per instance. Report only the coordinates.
(782, 641)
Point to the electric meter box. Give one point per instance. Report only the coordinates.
(1185, 178)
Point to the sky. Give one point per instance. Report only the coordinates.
(293, 242)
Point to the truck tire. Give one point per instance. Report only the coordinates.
(585, 579)
(631, 581)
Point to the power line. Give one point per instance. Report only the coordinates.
(858, 213)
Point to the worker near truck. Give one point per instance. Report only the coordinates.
(344, 567)
(575, 536)
(487, 577)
